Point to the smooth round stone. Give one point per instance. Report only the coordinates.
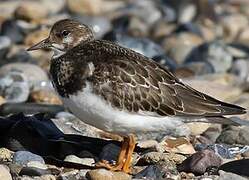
(162, 29)
(31, 10)
(5, 43)
(143, 8)
(187, 13)
(180, 45)
(7, 8)
(33, 72)
(212, 132)
(100, 174)
(85, 7)
(23, 157)
(11, 29)
(54, 6)
(4, 173)
(234, 135)
(75, 159)
(233, 24)
(14, 87)
(99, 24)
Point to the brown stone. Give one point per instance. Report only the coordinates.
(45, 96)
(31, 10)
(36, 36)
(100, 174)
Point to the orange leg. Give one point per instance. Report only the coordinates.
(125, 156)
(131, 147)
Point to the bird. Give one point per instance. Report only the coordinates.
(121, 91)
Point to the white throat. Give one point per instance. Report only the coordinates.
(57, 50)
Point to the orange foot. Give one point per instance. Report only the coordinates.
(124, 158)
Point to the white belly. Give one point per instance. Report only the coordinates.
(93, 110)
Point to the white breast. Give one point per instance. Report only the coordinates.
(95, 111)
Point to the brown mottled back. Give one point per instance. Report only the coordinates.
(133, 82)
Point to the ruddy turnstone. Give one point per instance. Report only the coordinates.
(121, 91)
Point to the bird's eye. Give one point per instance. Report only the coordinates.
(65, 33)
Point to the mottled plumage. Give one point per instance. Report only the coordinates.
(132, 82)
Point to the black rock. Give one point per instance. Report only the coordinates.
(39, 135)
(239, 167)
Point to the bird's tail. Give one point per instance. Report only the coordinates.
(236, 121)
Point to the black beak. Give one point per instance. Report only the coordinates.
(41, 45)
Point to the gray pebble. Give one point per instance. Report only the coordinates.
(23, 157)
(34, 73)
(234, 135)
(14, 87)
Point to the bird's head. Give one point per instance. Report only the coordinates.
(64, 35)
